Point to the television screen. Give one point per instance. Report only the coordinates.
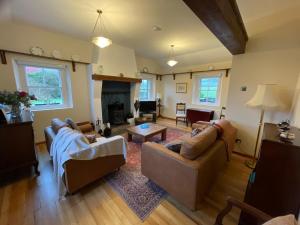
(147, 106)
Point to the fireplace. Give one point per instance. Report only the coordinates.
(116, 113)
(115, 100)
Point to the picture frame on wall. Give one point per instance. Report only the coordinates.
(181, 87)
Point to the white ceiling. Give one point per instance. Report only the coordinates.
(130, 22)
(256, 9)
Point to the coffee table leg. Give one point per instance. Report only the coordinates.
(164, 135)
(129, 137)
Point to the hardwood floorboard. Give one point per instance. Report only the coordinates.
(30, 200)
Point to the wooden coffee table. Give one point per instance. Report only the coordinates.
(146, 131)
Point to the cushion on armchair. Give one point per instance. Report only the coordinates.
(174, 146)
(193, 147)
(57, 124)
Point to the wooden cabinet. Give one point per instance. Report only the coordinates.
(274, 184)
(194, 115)
(17, 147)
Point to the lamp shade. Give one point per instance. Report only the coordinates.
(266, 97)
(101, 42)
(158, 95)
(172, 62)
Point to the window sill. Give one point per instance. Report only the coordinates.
(38, 109)
(207, 106)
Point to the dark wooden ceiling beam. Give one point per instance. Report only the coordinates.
(223, 19)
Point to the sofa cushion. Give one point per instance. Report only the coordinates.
(174, 146)
(196, 131)
(57, 124)
(86, 128)
(91, 138)
(193, 147)
(72, 124)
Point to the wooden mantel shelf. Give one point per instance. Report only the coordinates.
(116, 78)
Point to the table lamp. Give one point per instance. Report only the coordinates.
(266, 98)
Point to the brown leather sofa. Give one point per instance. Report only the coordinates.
(188, 175)
(79, 173)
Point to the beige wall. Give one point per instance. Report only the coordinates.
(272, 56)
(170, 97)
(20, 37)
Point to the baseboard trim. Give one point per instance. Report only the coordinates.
(169, 118)
(242, 154)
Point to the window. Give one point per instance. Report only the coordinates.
(49, 84)
(207, 90)
(146, 90)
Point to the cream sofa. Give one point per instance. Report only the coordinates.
(188, 175)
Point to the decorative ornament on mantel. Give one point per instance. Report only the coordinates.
(172, 62)
(100, 40)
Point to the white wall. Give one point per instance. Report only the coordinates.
(272, 56)
(170, 97)
(112, 60)
(116, 59)
(296, 106)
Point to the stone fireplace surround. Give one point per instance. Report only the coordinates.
(96, 86)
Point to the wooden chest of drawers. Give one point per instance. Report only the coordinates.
(17, 147)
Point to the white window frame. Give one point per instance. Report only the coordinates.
(20, 76)
(150, 90)
(197, 89)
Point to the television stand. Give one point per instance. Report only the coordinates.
(153, 113)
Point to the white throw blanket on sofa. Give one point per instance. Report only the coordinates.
(69, 144)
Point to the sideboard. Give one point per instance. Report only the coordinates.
(193, 115)
(17, 148)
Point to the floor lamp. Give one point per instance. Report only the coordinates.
(265, 98)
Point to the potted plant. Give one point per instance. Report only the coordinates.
(130, 118)
(15, 100)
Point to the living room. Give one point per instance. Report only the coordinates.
(145, 86)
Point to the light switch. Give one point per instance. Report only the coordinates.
(244, 88)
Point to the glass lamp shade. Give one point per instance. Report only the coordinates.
(266, 97)
(172, 62)
(101, 42)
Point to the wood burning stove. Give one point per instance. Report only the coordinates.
(116, 113)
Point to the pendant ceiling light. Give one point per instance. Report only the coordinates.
(172, 62)
(100, 40)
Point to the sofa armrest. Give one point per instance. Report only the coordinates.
(177, 175)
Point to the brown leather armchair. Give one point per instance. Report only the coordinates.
(79, 173)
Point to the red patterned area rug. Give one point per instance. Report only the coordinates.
(140, 193)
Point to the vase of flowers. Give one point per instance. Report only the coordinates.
(15, 100)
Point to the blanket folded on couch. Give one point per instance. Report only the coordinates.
(70, 144)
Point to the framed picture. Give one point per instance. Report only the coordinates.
(181, 87)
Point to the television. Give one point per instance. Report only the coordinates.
(147, 106)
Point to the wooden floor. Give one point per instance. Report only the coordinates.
(34, 200)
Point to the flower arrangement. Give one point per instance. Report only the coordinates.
(16, 98)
